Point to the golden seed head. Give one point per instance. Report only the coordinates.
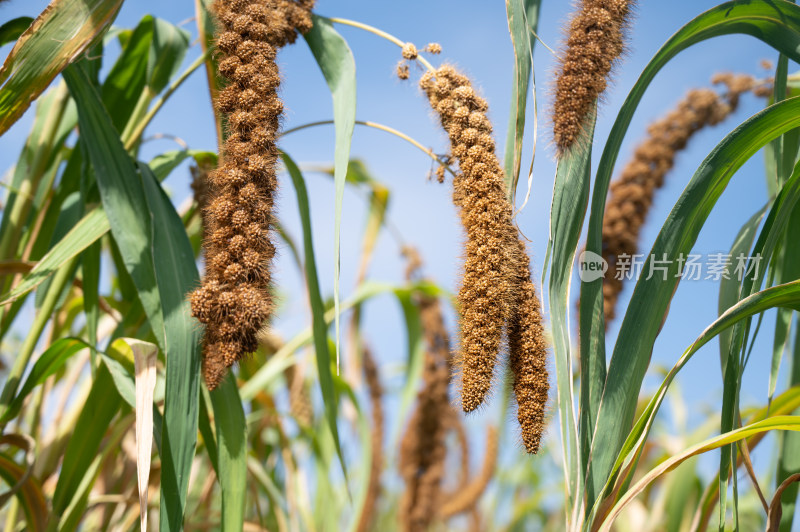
(593, 45)
(433, 48)
(409, 51)
(402, 70)
(235, 301)
(631, 194)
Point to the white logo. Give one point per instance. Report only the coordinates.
(591, 266)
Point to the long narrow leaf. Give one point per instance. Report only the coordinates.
(58, 36)
(523, 20)
(336, 61)
(776, 23)
(232, 457)
(317, 308)
(91, 227)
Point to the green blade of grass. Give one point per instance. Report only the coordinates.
(336, 61)
(59, 35)
(783, 296)
(89, 230)
(95, 418)
(734, 363)
(789, 447)
(790, 423)
(47, 364)
(523, 19)
(232, 456)
(176, 275)
(567, 212)
(11, 30)
(729, 288)
(319, 327)
(145, 225)
(651, 297)
(121, 194)
(776, 23)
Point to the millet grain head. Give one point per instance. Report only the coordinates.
(423, 445)
(485, 296)
(631, 195)
(369, 509)
(235, 300)
(594, 43)
(527, 349)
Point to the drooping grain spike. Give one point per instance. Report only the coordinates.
(485, 296)
(528, 356)
(235, 300)
(631, 195)
(594, 43)
(369, 510)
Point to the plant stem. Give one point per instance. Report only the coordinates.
(27, 190)
(382, 127)
(380, 33)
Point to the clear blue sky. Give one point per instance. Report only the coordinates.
(474, 36)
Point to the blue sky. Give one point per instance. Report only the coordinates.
(474, 36)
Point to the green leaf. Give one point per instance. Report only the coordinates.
(59, 35)
(162, 165)
(791, 423)
(145, 225)
(90, 269)
(523, 19)
(176, 274)
(91, 227)
(568, 209)
(121, 193)
(789, 448)
(415, 364)
(126, 81)
(232, 445)
(651, 297)
(36, 169)
(729, 288)
(11, 30)
(336, 61)
(47, 364)
(167, 50)
(782, 296)
(776, 23)
(733, 364)
(319, 327)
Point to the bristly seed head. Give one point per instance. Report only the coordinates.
(594, 43)
(631, 194)
(235, 299)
